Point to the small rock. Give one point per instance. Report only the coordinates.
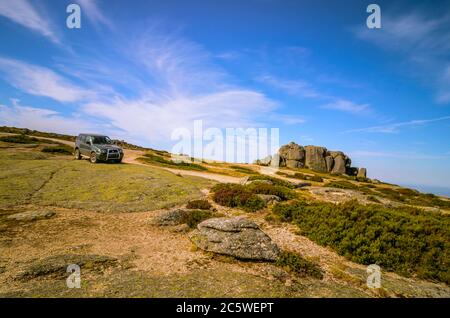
(171, 217)
(269, 198)
(302, 184)
(182, 228)
(32, 215)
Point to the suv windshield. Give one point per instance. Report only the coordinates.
(101, 140)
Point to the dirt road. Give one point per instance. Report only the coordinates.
(130, 157)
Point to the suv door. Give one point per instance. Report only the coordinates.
(85, 146)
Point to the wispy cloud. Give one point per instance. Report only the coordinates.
(395, 127)
(304, 89)
(42, 119)
(423, 43)
(95, 15)
(292, 87)
(397, 155)
(40, 81)
(348, 106)
(24, 13)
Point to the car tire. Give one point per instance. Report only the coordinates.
(93, 158)
(77, 154)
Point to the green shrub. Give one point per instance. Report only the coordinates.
(342, 184)
(299, 175)
(263, 188)
(195, 217)
(406, 240)
(373, 199)
(199, 204)
(237, 196)
(151, 158)
(297, 264)
(413, 197)
(20, 139)
(273, 180)
(63, 149)
(244, 170)
(315, 178)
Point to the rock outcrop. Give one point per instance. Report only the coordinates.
(237, 237)
(362, 173)
(316, 158)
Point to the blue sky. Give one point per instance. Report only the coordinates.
(138, 70)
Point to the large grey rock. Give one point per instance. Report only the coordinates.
(329, 160)
(339, 165)
(292, 151)
(362, 173)
(315, 158)
(292, 155)
(237, 237)
(293, 164)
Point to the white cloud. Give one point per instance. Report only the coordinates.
(157, 119)
(395, 127)
(42, 119)
(304, 89)
(24, 13)
(40, 81)
(398, 155)
(423, 45)
(94, 13)
(292, 87)
(348, 106)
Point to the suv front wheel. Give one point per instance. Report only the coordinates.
(77, 154)
(93, 157)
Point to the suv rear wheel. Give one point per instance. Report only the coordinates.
(77, 154)
(93, 157)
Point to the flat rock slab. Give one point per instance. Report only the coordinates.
(237, 237)
(32, 215)
(171, 217)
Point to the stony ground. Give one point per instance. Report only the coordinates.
(122, 253)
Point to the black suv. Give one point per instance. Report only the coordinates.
(97, 148)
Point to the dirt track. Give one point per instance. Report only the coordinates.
(130, 157)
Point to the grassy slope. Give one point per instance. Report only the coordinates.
(100, 187)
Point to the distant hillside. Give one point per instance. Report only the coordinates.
(26, 131)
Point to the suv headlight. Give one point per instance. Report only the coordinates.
(103, 150)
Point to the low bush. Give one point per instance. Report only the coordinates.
(20, 139)
(373, 199)
(154, 159)
(273, 180)
(315, 178)
(297, 264)
(342, 184)
(244, 170)
(199, 204)
(246, 196)
(263, 188)
(237, 196)
(63, 150)
(195, 217)
(406, 240)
